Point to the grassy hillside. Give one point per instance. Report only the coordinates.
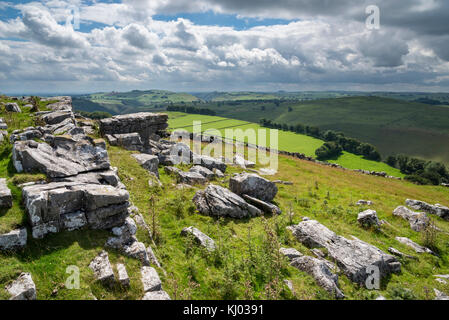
(129, 102)
(393, 126)
(288, 141)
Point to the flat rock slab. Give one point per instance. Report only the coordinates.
(66, 157)
(254, 186)
(436, 209)
(320, 271)
(135, 122)
(148, 162)
(156, 295)
(13, 240)
(220, 202)
(353, 257)
(419, 221)
(414, 245)
(262, 205)
(23, 288)
(102, 268)
(201, 238)
(5, 195)
(150, 279)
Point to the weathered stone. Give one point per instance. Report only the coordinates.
(156, 295)
(73, 221)
(400, 254)
(12, 107)
(150, 279)
(368, 219)
(181, 153)
(129, 141)
(5, 195)
(67, 157)
(57, 117)
(262, 205)
(418, 220)
(319, 270)
(137, 251)
(13, 240)
(436, 209)
(152, 257)
(201, 238)
(218, 201)
(206, 173)
(414, 245)
(218, 173)
(190, 178)
(148, 162)
(254, 186)
(353, 257)
(23, 288)
(364, 203)
(102, 268)
(240, 161)
(123, 277)
(209, 162)
(29, 134)
(290, 253)
(440, 295)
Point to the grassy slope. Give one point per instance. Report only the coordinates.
(394, 126)
(241, 267)
(288, 141)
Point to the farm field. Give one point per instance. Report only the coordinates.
(288, 141)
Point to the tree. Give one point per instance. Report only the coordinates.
(328, 150)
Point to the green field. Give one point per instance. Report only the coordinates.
(288, 141)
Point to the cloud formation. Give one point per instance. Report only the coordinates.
(326, 46)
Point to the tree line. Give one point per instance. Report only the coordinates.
(192, 110)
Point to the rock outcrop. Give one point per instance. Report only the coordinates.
(436, 209)
(5, 195)
(254, 186)
(419, 221)
(57, 206)
(220, 202)
(129, 141)
(200, 238)
(13, 240)
(353, 257)
(23, 288)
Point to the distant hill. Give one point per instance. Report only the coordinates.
(129, 102)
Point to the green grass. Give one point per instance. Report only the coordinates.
(288, 141)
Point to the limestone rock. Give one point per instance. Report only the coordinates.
(436, 209)
(152, 257)
(150, 279)
(290, 253)
(440, 295)
(148, 162)
(319, 270)
(5, 195)
(418, 220)
(254, 186)
(201, 238)
(353, 257)
(364, 203)
(23, 288)
(129, 141)
(12, 107)
(368, 219)
(218, 201)
(181, 153)
(262, 205)
(414, 245)
(209, 162)
(400, 254)
(102, 268)
(15, 239)
(73, 221)
(206, 173)
(156, 295)
(123, 277)
(190, 178)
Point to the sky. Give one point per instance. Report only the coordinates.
(81, 46)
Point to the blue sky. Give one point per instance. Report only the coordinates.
(207, 45)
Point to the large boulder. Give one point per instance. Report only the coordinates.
(437, 209)
(12, 107)
(56, 206)
(5, 195)
(148, 162)
(220, 202)
(419, 221)
(23, 288)
(254, 186)
(201, 238)
(65, 157)
(353, 257)
(15, 239)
